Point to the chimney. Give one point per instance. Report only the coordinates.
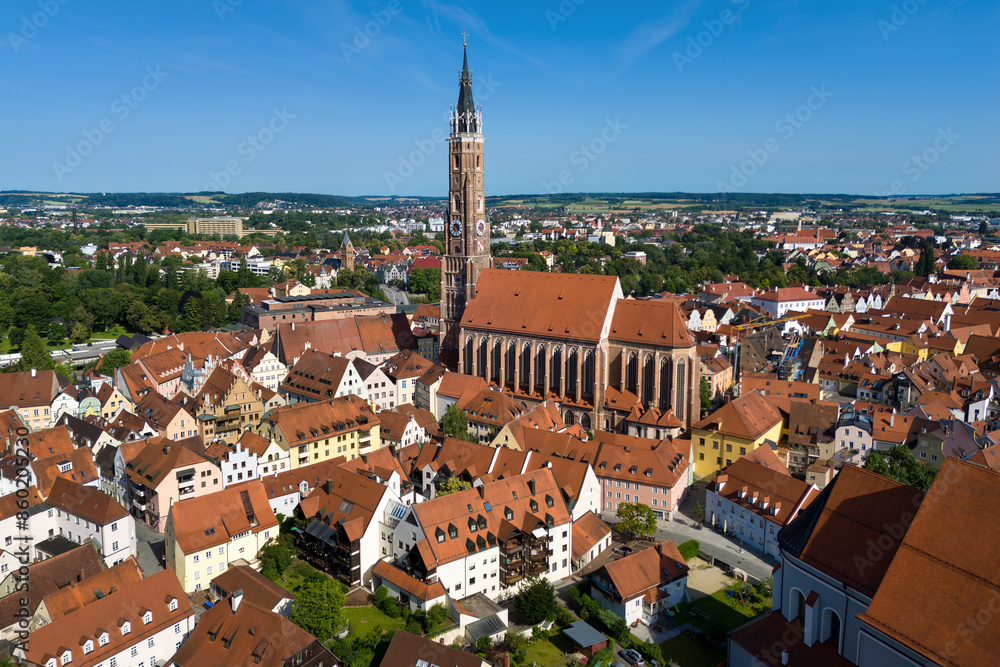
(34, 372)
(166, 448)
(784, 657)
(235, 599)
(892, 418)
(293, 326)
(328, 485)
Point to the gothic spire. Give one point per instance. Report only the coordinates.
(466, 108)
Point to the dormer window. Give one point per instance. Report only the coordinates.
(548, 501)
(173, 604)
(126, 628)
(440, 535)
(508, 513)
(632, 470)
(452, 531)
(618, 467)
(88, 646)
(534, 505)
(66, 658)
(103, 639)
(147, 618)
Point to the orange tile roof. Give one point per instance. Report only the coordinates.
(257, 589)
(108, 614)
(85, 502)
(78, 595)
(951, 552)
(344, 496)
(554, 305)
(747, 417)
(158, 458)
(650, 322)
(772, 494)
(215, 518)
(406, 583)
(644, 570)
(588, 531)
(303, 423)
(438, 515)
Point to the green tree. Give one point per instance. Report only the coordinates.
(455, 424)
(452, 485)
(898, 463)
(705, 392)
(636, 519)
(34, 352)
(925, 265)
(192, 318)
(277, 555)
(984, 228)
(536, 601)
(57, 332)
(317, 605)
(16, 337)
(963, 262)
(116, 358)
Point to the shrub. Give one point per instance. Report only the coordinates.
(564, 617)
(437, 614)
(689, 549)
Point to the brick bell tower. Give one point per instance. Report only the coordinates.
(467, 231)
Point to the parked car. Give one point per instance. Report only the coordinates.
(623, 551)
(632, 656)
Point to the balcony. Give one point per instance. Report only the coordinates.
(513, 578)
(141, 506)
(514, 560)
(512, 547)
(185, 492)
(538, 568)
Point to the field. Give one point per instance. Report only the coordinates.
(688, 652)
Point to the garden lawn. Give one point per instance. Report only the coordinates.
(363, 619)
(546, 653)
(688, 652)
(723, 610)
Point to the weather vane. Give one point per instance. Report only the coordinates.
(465, 38)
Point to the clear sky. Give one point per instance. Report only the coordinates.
(851, 96)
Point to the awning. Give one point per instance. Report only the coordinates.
(584, 635)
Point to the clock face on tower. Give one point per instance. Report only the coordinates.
(480, 227)
(456, 227)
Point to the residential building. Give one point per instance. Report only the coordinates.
(785, 299)
(640, 470)
(644, 585)
(140, 624)
(317, 376)
(208, 534)
(239, 632)
(225, 407)
(738, 427)
(264, 367)
(380, 388)
(31, 394)
(165, 472)
(286, 489)
(171, 420)
(314, 432)
(489, 539)
(84, 513)
(751, 502)
(257, 589)
(409, 650)
(403, 370)
(591, 537)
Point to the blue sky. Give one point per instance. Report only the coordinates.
(577, 95)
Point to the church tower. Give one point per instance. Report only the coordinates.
(467, 231)
(347, 253)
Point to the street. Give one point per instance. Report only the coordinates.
(396, 296)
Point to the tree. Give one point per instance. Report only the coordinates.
(116, 358)
(705, 392)
(57, 332)
(452, 485)
(925, 265)
(34, 352)
(698, 512)
(317, 605)
(984, 228)
(536, 601)
(276, 555)
(455, 424)
(16, 337)
(962, 262)
(636, 519)
(898, 463)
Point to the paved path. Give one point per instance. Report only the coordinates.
(149, 548)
